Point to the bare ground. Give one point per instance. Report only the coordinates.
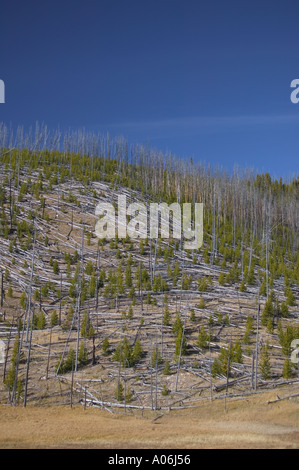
(245, 424)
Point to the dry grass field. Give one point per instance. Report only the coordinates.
(244, 424)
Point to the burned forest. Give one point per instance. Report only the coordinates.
(141, 324)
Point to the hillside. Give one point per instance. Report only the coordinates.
(137, 325)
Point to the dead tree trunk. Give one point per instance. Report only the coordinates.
(257, 344)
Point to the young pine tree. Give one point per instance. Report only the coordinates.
(137, 351)
(237, 352)
(166, 315)
(54, 319)
(203, 338)
(87, 330)
(267, 312)
(264, 364)
(166, 370)
(105, 346)
(10, 379)
(156, 358)
(119, 391)
(180, 343)
(287, 369)
(82, 356)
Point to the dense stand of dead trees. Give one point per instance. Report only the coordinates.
(251, 206)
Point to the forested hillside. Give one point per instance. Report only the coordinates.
(141, 323)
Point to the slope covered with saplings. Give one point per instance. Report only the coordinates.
(141, 323)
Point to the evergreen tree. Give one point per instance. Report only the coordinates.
(251, 275)
(87, 330)
(219, 318)
(70, 361)
(40, 321)
(202, 284)
(89, 270)
(180, 343)
(270, 327)
(192, 315)
(130, 313)
(290, 298)
(17, 356)
(92, 285)
(243, 287)
(36, 295)
(156, 358)
(124, 353)
(263, 287)
(67, 364)
(23, 300)
(129, 394)
(10, 292)
(287, 369)
(166, 315)
(222, 364)
(54, 318)
(105, 346)
(137, 351)
(284, 309)
(216, 368)
(186, 281)
(177, 325)
(222, 279)
(267, 311)
(264, 363)
(82, 355)
(203, 338)
(119, 392)
(166, 370)
(237, 352)
(56, 269)
(69, 319)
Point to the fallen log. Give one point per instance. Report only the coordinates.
(283, 398)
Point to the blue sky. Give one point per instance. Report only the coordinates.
(208, 79)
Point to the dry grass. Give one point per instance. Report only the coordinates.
(245, 424)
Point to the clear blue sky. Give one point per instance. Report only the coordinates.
(207, 79)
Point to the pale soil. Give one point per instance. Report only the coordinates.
(246, 424)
